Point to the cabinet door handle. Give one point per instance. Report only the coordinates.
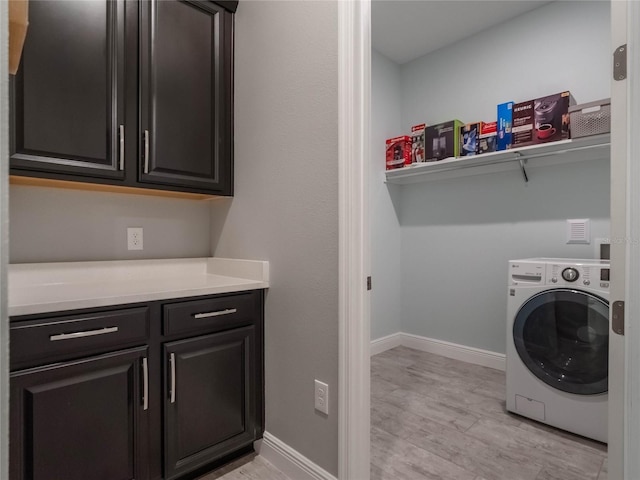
(145, 384)
(228, 311)
(88, 333)
(172, 363)
(146, 151)
(121, 130)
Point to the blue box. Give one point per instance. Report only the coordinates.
(505, 122)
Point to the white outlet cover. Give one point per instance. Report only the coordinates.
(134, 238)
(578, 231)
(322, 397)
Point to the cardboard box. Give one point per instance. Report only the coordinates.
(442, 140)
(18, 23)
(417, 143)
(398, 152)
(542, 120)
(488, 137)
(469, 134)
(505, 122)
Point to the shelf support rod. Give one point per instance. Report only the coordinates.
(523, 161)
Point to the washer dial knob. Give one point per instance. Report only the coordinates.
(570, 274)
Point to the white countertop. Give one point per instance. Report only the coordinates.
(50, 287)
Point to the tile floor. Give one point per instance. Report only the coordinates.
(437, 418)
(249, 467)
(441, 419)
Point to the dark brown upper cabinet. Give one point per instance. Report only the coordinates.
(186, 106)
(68, 96)
(125, 92)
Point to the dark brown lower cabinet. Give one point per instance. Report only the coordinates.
(144, 391)
(80, 420)
(209, 402)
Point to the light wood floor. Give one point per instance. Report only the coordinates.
(436, 418)
(249, 467)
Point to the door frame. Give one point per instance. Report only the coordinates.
(624, 359)
(630, 415)
(354, 79)
(4, 240)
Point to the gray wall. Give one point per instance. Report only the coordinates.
(468, 79)
(56, 225)
(286, 206)
(385, 228)
(458, 234)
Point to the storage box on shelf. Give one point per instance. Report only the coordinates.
(542, 120)
(591, 118)
(442, 140)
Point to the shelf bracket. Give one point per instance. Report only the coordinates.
(523, 162)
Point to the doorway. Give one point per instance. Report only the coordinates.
(404, 198)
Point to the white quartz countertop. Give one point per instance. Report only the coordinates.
(50, 287)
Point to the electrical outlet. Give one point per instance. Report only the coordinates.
(134, 238)
(322, 397)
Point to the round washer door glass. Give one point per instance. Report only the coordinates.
(562, 336)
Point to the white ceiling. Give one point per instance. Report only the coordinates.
(403, 30)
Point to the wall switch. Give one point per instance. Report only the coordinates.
(322, 397)
(134, 238)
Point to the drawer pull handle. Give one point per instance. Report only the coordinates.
(228, 311)
(172, 361)
(121, 134)
(146, 151)
(145, 384)
(88, 333)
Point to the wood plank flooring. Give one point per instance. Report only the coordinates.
(437, 418)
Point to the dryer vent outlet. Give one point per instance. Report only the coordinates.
(578, 231)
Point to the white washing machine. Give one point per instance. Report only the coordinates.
(558, 343)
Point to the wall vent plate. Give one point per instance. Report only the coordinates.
(578, 231)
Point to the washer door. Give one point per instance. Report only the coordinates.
(562, 336)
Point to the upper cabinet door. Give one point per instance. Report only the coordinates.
(68, 95)
(186, 96)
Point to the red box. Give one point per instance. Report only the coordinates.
(398, 152)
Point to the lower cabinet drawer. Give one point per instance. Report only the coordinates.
(211, 314)
(65, 337)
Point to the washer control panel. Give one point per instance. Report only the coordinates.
(593, 274)
(579, 275)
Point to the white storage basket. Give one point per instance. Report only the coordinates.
(591, 118)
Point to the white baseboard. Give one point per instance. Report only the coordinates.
(289, 461)
(383, 344)
(463, 353)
